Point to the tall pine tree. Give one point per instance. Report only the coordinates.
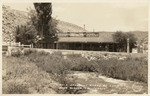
(45, 26)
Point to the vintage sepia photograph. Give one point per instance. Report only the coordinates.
(75, 48)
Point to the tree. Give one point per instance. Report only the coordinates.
(121, 39)
(26, 34)
(40, 26)
(132, 40)
(46, 25)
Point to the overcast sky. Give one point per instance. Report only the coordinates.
(99, 16)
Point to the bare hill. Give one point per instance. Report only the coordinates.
(140, 35)
(69, 27)
(13, 18)
(10, 19)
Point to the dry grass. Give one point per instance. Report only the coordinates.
(25, 77)
(35, 70)
(134, 69)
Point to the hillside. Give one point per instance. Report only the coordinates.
(140, 35)
(10, 19)
(69, 27)
(13, 18)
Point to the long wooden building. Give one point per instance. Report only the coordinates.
(91, 41)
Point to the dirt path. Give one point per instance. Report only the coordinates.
(97, 84)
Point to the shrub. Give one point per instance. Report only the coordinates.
(16, 52)
(55, 64)
(73, 56)
(58, 67)
(15, 88)
(82, 64)
(128, 69)
(21, 72)
(51, 63)
(123, 69)
(134, 69)
(29, 51)
(39, 53)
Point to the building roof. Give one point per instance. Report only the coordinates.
(103, 37)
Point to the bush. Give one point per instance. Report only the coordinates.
(16, 52)
(58, 67)
(39, 53)
(55, 64)
(134, 69)
(128, 69)
(15, 88)
(51, 63)
(82, 64)
(25, 74)
(123, 69)
(29, 51)
(73, 56)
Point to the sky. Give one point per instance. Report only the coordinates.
(99, 16)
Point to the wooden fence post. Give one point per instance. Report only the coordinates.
(19, 44)
(32, 45)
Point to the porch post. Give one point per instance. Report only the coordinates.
(57, 45)
(90, 46)
(128, 48)
(81, 46)
(113, 47)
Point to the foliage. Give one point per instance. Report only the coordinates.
(16, 52)
(121, 39)
(24, 77)
(46, 26)
(82, 64)
(26, 34)
(32, 16)
(134, 69)
(130, 69)
(29, 51)
(59, 65)
(10, 20)
(15, 88)
(30, 33)
(132, 39)
(43, 67)
(44, 11)
(53, 30)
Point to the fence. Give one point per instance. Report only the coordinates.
(5, 45)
